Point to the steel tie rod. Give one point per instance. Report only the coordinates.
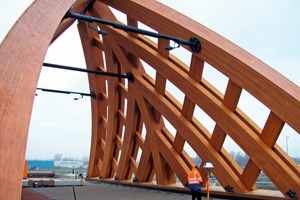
(127, 75)
(193, 42)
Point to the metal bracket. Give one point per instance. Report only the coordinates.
(102, 32)
(92, 94)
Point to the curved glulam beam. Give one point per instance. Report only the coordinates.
(79, 6)
(95, 61)
(22, 54)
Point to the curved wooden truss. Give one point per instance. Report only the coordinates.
(130, 137)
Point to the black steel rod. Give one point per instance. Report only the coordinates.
(92, 94)
(193, 43)
(127, 75)
(83, 70)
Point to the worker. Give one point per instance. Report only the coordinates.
(194, 182)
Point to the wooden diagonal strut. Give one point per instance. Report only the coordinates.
(131, 134)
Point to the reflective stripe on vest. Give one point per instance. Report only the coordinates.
(195, 180)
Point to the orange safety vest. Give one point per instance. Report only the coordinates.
(194, 177)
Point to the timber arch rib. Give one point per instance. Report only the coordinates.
(128, 118)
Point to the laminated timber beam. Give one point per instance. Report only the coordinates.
(130, 133)
(19, 77)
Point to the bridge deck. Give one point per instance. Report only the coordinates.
(107, 190)
(93, 191)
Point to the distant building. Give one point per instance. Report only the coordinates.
(50, 164)
(40, 164)
(68, 164)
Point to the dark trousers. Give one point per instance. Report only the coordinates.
(196, 194)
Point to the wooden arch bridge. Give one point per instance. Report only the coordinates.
(130, 135)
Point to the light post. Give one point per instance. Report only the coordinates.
(208, 167)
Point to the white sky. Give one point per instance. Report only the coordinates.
(267, 29)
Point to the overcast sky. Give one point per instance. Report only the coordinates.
(268, 29)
